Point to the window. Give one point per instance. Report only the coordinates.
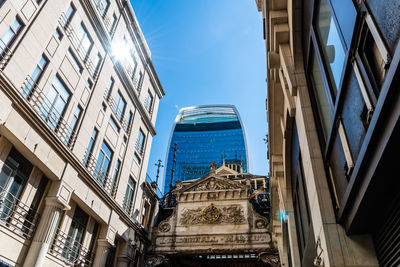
(58, 34)
(10, 34)
(69, 14)
(128, 122)
(13, 177)
(85, 42)
(109, 88)
(148, 103)
(73, 125)
(90, 146)
(102, 6)
(113, 23)
(74, 60)
(140, 81)
(119, 106)
(75, 236)
(115, 174)
(97, 64)
(321, 96)
(35, 77)
(89, 84)
(140, 142)
(145, 213)
(130, 192)
(333, 50)
(132, 64)
(103, 163)
(54, 103)
(114, 124)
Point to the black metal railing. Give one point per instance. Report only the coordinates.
(105, 180)
(155, 183)
(69, 250)
(77, 44)
(16, 215)
(43, 107)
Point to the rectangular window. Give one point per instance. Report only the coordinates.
(85, 42)
(69, 14)
(103, 163)
(13, 177)
(74, 240)
(54, 103)
(321, 95)
(145, 213)
(140, 81)
(114, 124)
(89, 149)
(97, 63)
(140, 142)
(109, 88)
(148, 103)
(102, 6)
(73, 125)
(10, 35)
(130, 192)
(115, 174)
(113, 23)
(74, 61)
(58, 34)
(35, 77)
(128, 121)
(119, 106)
(333, 50)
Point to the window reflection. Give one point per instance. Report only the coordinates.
(321, 97)
(333, 49)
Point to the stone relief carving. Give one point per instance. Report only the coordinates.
(191, 216)
(164, 227)
(232, 214)
(214, 184)
(261, 224)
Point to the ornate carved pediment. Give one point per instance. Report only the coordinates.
(213, 184)
(232, 214)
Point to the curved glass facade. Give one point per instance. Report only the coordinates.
(205, 134)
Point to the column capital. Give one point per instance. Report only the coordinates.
(105, 243)
(57, 203)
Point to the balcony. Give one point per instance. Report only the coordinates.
(77, 45)
(103, 14)
(118, 114)
(41, 105)
(69, 250)
(106, 181)
(5, 55)
(15, 215)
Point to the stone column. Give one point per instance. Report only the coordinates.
(125, 255)
(103, 248)
(44, 232)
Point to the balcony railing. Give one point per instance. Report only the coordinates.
(5, 55)
(76, 43)
(16, 215)
(105, 180)
(41, 104)
(102, 11)
(67, 249)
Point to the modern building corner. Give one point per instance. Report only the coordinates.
(333, 122)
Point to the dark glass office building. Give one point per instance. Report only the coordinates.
(205, 134)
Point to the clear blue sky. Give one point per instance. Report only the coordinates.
(207, 52)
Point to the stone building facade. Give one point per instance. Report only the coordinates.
(333, 121)
(79, 98)
(213, 223)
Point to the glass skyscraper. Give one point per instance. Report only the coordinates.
(204, 134)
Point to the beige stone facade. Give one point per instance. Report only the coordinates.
(213, 220)
(77, 122)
